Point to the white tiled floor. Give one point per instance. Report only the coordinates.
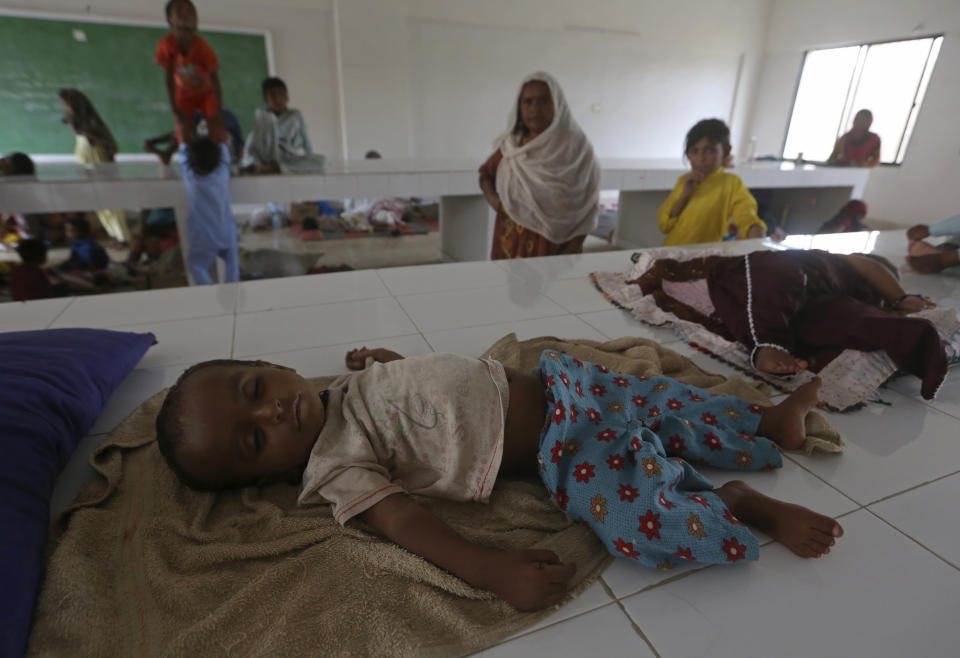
(889, 588)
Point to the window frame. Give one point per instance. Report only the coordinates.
(923, 82)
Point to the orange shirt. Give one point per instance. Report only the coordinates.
(191, 72)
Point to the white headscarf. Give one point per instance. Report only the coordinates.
(551, 185)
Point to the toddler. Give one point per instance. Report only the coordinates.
(85, 252)
(614, 451)
(211, 226)
(191, 72)
(30, 280)
(706, 201)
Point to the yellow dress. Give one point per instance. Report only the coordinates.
(114, 221)
(721, 198)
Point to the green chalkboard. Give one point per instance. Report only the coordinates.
(114, 67)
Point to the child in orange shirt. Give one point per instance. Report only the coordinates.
(191, 65)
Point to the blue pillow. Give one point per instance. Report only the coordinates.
(53, 384)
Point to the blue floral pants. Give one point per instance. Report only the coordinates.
(616, 453)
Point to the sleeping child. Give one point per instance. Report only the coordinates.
(708, 200)
(796, 310)
(613, 451)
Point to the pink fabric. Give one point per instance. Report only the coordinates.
(694, 294)
(860, 152)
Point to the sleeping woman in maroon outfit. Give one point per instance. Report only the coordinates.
(797, 310)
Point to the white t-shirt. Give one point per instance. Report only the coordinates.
(430, 425)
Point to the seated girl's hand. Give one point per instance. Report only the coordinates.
(691, 181)
(529, 579)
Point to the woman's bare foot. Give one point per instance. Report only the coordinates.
(777, 362)
(785, 423)
(802, 530)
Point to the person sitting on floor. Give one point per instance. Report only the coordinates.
(17, 164)
(706, 201)
(848, 220)
(448, 426)
(795, 309)
(85, 252)
(279, 141)
(30, 279)
(859, 147)
(928, 259)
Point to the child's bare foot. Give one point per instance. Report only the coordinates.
(921, 248)
(785, 423)
(777, 362)
(934, 263)
(918, 232)
(802, 530)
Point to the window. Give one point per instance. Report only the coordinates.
(889, 79)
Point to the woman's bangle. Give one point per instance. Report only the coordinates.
(896, 302)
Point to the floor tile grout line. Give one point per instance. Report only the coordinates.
(532, 631)
(915, 540)
(412, 321)
(233, 337)
(62, 311)
(909, 489)
(637, 629)
(814, 474)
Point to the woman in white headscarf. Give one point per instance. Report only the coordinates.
(543, 180)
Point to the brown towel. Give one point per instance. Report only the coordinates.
(141, 565)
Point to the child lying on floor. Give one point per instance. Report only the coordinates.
(614, 452)
(797, 309)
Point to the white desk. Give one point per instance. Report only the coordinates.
(805, 194)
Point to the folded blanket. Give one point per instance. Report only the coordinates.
(141, 565)
(849, 380)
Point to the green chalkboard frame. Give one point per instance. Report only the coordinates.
(112, 62)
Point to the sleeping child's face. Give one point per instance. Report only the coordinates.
(243, 423)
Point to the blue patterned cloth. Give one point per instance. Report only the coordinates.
(616, 454)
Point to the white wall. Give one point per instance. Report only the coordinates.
(436, 78)
(925, 187)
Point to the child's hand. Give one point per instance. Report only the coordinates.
(357, 358)
(691, 181)
(530, 579)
